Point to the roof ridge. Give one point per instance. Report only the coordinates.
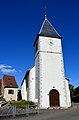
(8, 75)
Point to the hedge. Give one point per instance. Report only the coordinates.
(22, 104)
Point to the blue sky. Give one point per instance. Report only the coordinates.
(20, 22)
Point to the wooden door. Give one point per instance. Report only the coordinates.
(54, 98)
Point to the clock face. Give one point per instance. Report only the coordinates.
(50, 42)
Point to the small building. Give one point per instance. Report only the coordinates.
(9, 88)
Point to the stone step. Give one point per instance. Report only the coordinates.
(56, 108)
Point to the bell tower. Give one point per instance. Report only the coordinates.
(52, 89)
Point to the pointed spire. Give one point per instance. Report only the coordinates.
(47, 29)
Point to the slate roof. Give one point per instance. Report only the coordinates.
(0, 87)
(9, 82)
(25, 77)
(48, 30)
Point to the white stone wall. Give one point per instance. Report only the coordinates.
(50, 71)
(37, 74)
(29, 93)
(32, 84)
(49, 44)
(23, 90)
(9, 97)
(68, 93)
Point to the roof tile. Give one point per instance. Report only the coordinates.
(48, 30)
(9, 82)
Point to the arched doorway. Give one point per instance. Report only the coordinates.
(54, 98)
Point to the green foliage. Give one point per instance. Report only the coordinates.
(22, 104)
(72, 90)
(76, 90)
(76, 98)
(2, 99)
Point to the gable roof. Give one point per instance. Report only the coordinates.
(9, 82)
(48, 30)
(0, 87)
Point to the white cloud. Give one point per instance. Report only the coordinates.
(3, 66)
(7, 69)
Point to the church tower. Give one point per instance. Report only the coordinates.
(52, 89)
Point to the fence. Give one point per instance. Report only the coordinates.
(23, 110)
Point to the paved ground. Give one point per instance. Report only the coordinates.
(69, 114)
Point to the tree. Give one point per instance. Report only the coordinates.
(76, 90)
(72, 91)
(76, 95)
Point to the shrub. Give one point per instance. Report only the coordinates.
(22, 104)
(2, 99)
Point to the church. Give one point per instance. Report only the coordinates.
(45, 83)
